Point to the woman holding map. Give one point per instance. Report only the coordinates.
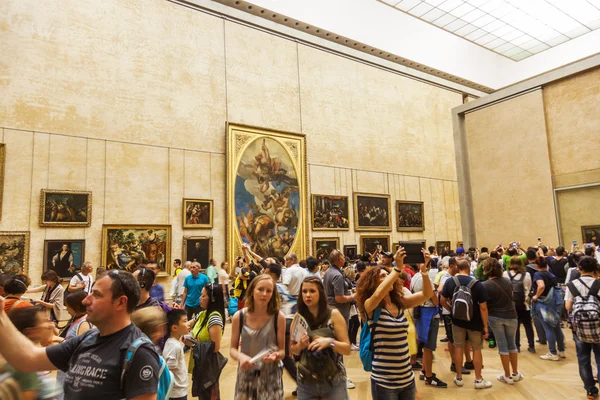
(320, 338)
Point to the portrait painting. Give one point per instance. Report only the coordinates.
(442, 245)
(591, 234)
(2, 158)
(64, 257)
(197, 248)
(410, 216)
(372, 212)
(65, 208)
(14, 252)
(350, 250)
(330, 212)
(126, 246)
(266, 192)
(369, 244)
(197, 213)
(322, 247)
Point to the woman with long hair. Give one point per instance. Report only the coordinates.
(379, 292)
(321, 372)
(52, 296)
(521, 281)
(502, 318)
(259, 326)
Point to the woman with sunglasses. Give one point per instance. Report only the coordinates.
(321, 372)
(379, 291)
(209, 324)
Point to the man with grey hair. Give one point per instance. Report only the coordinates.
(294, 275)
(83, 280)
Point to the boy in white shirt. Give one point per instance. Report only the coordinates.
(177, 326)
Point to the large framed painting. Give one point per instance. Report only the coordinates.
(330, 213)
(64, 257)
(198, 248)
(65, 208)
(409, 216)
(368, 244)
(322, 247)
(14, 252)
(197, 213)
(2, 158)
(591, 234)
(266, 192)
(372, 212)
(442, 245)
(350, 250)
(125, 246)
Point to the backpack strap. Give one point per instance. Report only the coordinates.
(133, 348)
(472, 283)
(242, 312)
(79, 276)
(573, 289)
(511, 277)
(456, 282)
(376, 314)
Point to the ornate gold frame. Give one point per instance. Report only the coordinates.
(200, 226)
(45, 192)
(46, 250)
(312, 212)
(239, 137)
(385, 237)
(583, 228)
(407, 229)
(105, 245)
(27, 236)
(2, 161)
(357, 227)
(184, 247)
(316, 240)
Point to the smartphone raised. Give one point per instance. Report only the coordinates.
(413, 252)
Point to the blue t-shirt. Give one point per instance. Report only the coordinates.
(194, 289)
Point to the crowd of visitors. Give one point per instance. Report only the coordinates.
(122, 337)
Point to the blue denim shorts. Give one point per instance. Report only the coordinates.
(326, 390)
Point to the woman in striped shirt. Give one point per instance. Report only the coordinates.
(380, 288)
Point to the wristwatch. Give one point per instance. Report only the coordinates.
(397, 270)
(332, 343)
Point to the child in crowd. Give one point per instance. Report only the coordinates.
(177, 326)
(152, 322)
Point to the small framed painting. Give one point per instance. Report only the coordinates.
(409, 216)
(198, 249)
(442, 245)
(64, 257)
(197, 213)
(14, 252)
(65, 208)
(350, 251)
(322, 247)
(369, 244)
(591, 234)
(330, 212)
(372, 212)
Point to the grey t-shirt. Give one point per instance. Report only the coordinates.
(335, 285)
(93, 366)
(500, 303)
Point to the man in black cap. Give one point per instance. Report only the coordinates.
(387, 259)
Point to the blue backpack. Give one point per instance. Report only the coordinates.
(232, 306)
(165, 377)
(366, 341)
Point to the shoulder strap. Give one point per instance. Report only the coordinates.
(573, 289)
(79, 276)
(501, 288)
(242, 312)
(522, 277)
(511, 277)
(133, 348)
(456, 282)
(376, 314)
(15, 304)
(472, 283)
(583, 283)
(275, 323)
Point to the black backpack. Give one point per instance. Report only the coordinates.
(78, 275)
(318, 366)
(518, 289)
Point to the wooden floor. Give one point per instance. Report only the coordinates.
(546, 380)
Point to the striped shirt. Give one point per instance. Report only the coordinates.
(391, 359)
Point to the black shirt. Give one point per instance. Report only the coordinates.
(478, 294)
(557, 267)
(93, 366)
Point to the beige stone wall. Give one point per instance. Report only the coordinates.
(131, 102)
(510, 172)
(572, 119)
(577, 208)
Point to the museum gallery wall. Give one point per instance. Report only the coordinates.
(150, 129)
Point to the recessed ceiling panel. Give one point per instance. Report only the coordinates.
(514, 28)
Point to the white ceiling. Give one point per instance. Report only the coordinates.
(514, 28)
(376, 24)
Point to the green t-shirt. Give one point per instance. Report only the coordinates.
(506, 259)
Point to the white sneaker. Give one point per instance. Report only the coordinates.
(458, 382)
(483, 384)
(550, 357)
(562, 354)
(517, 377)
(504, 379)
(349, 384)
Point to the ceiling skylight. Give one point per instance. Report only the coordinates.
(514, 28)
